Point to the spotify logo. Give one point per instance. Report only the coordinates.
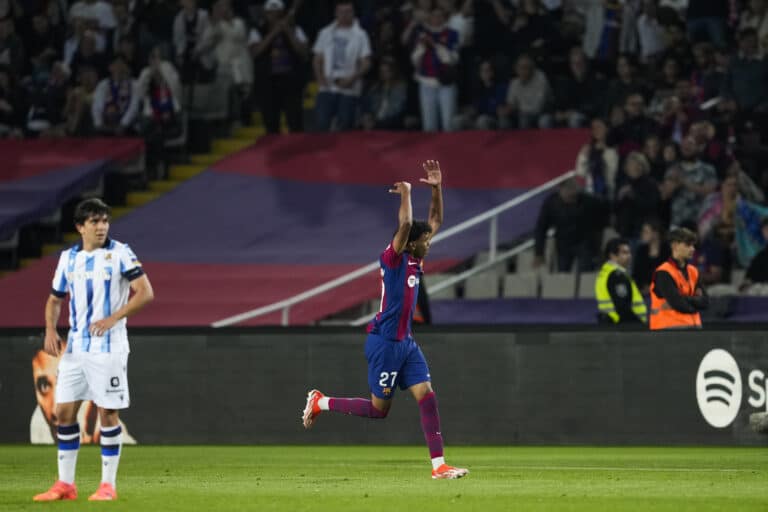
(718, 388)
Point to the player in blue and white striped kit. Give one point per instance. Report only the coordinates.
(98, 274)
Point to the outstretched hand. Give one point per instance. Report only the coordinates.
(434, 176)
(401, 187)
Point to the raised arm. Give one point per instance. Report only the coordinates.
(404, 216)
(434, 179)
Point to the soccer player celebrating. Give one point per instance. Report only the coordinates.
(394, 358)
(98, 274)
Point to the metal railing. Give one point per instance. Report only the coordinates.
(463, 276)
(491, 216)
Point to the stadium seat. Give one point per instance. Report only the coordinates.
(737, 277)
(521, 284)
(482, 286)
(434, 279)
(484, 256)
(587, 285)
(558, 286)
(722, 290)
(524, 261)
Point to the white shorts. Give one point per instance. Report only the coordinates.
(101, 377)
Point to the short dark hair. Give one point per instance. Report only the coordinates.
(88, 208)
(613, 245)
(418, 228)
(683, 235)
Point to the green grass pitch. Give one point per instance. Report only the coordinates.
(386, 478)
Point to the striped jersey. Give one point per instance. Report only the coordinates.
(98, 283)
(400, 276)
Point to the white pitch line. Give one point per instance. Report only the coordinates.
(610, 468)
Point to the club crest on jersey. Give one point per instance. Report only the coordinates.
(412, 281)
(108, 256)
(387, 391)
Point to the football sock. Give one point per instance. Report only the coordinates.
(356, 406)
(430, 424)
(69, 444)
(111, 439)
(323, 403)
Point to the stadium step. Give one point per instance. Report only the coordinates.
(310, 95)
(70, 237)
(163, 186)
(184, 172)
(206, 159)
(231, 145)
(119, 211)
(249, 132)
(25, 262)
(135, 199)
(243, 137)
(49, 249)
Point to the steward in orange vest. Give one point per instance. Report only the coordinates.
(676, 297)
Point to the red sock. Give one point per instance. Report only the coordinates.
(356, 406)
(430, 424)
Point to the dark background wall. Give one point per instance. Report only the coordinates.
(503, 386)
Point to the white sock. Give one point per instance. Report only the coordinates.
(69, 445)
(111, 441)
(437, 462)
(323, 403)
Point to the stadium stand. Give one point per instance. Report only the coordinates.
(676, 113)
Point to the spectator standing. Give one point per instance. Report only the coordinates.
(342, 57)
(688, 183)
(280, 51)
(638, 198)
(435, 61)
(189, 26)
(598, 163)
(226, 39)
(161, 120)
(384, 103)
(578, 221)
(651, 252)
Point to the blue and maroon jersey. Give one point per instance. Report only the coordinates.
(400, 276)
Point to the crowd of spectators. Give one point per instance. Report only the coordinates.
(675, 92)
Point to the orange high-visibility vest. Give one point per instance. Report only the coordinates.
(662, 314)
